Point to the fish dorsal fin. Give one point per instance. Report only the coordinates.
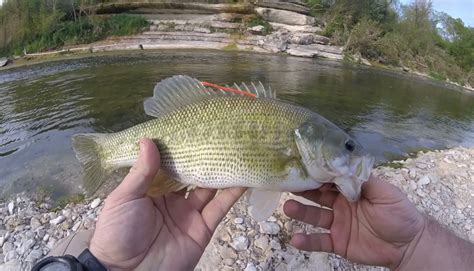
(262, 203)
(180, 90)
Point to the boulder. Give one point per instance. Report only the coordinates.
(284, 16)
(300, 7)
(296, 28)
(3, 61)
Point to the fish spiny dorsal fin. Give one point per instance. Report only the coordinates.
(180, 90)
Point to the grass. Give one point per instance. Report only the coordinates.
(84, 30)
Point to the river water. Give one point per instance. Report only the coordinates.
(43, 105)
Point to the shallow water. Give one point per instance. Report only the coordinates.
(42, 106)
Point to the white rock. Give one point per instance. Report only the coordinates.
(275, 244)
(421, 165)
(424, 181)
(26, 246)
(8, 246)
(95, 203)
(261, 242)
(240, 243)
(35, 223)
(272, 219)
(250, 267)
(11, 207)
(202, 30)
(269, 227)
(46, 237)
(284, 16)
(76, 226)
(258, 29)
(10, 255)
(228, 261)
(57, 220)
(238, 220)
(34, 255)
(228, 252)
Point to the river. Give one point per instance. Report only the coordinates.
(43, 105)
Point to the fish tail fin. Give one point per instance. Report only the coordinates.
(88, 148)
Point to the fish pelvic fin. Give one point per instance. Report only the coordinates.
(163, 184)
(88, 149)
(261, 203)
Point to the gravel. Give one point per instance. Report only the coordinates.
(439, 183)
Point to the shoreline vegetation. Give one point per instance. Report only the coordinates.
(411, 38)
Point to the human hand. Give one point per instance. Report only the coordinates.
(382, 228)
(170, 232)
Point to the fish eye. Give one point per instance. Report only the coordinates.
(350, 145)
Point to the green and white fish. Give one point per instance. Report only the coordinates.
(236, 138)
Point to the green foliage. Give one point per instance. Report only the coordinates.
(252, 21)
(407, 35)
(38, 25)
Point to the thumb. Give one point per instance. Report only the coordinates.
(379, 191)
(139, 179)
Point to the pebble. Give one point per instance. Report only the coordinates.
(57, 220)
(228, 252)
(238, 220)
(10, 255)
(34, 255)
(424, 181)
(228, 261)
(95, 203)
(269, 227)
(35, 223)
(261, 242)
(11, 207)
(240, 243)
(250, 267)
(8, 246)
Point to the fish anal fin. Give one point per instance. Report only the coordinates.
(262, 203)
(163, 184)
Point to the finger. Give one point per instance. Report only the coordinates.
(312, 242)
(379, 191)
(200, 197)
(316, 216)
(139, 179)
(218, 207)
(324, 198)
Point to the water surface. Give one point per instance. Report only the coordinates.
(42, 106)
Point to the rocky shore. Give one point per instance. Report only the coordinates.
(261, 26)
(440, 183)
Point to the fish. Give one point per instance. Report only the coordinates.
(219, 137)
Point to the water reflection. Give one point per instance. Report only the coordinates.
(41, 106)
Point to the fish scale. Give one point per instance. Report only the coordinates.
(208, 145)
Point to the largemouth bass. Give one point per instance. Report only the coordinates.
(241, 137)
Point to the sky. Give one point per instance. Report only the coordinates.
(463, 9)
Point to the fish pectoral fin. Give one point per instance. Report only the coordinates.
(163, 184)
(262, 203)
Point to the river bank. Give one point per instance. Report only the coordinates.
(264, 27)
(440, 183)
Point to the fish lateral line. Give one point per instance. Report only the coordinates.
(208, 84)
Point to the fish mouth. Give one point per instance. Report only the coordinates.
(350, 183)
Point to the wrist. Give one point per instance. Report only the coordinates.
(417, 252)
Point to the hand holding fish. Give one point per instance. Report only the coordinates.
(383, 228)
(136, 230)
